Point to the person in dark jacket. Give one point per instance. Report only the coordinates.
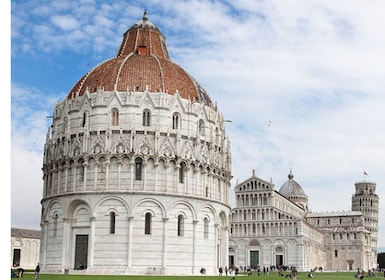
(37, 271)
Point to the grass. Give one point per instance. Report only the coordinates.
(271, 276)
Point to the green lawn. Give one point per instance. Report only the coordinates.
(271, 276)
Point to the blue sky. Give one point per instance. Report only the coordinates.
(302, 81)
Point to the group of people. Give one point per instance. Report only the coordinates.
(361, 274)
(20, 272)
(233, 271)
(293, 274)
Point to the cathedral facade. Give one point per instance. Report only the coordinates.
(137, 169)
(272, 229)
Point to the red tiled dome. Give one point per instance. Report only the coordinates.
(142, 63)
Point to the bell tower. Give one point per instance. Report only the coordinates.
(366, 200)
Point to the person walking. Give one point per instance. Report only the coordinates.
(37, 271)
(233, 273)
(294, 273)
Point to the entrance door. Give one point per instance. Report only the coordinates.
(254, 259)
(231, 260)
(81, 251)
(16, 257)
(278, 260)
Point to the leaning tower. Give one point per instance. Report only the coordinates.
(366, 201)
(136, 169)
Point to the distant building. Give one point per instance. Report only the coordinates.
(25, 247)
(271, 228)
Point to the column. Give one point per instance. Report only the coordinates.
(164, 257)
(91, 241)
(194, 251)
(129, 244)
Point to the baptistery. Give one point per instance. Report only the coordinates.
(136, 169)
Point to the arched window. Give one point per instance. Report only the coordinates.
(201, 127)
(146, 118)
(180, 225)
(147, 223)
(138, 169)
(175, 121)
(112, 222)
(55, 225)
(115, 117)
(182, 172)
(65, 124)
(336, 253)
(80, 171)
(85, 119)
(205, 228)
(217, 136)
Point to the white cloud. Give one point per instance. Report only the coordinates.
(65, 22)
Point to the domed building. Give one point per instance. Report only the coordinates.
(294, 192)
(273, 230)
(137, 169)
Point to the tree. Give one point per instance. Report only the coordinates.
(381, 260)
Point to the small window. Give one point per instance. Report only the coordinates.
(146, 119)
(55, 225)
(206, 228)
(217, 136)
(201, 127)
(112, 222)
(147, 223)
(336, 253)
(182, 172)
(180, 225)
(80, 171)
(115, 117)
(175, 121)
(85, 119)
(138, 169)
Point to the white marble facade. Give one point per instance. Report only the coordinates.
(270, 228)
(136, 181)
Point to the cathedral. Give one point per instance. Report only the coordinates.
(137, 172)
(136, 169)
(272, 229)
